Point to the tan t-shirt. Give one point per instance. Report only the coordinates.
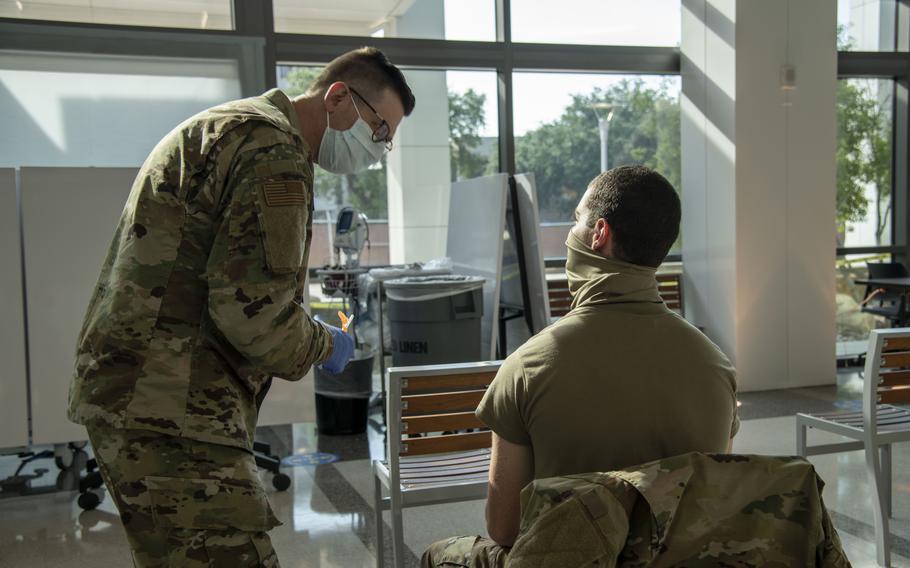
(612, 385)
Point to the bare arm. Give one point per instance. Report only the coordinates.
(511, 468)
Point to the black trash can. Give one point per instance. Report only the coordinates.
(435, 319)
(342, 400)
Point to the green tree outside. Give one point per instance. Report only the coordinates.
(863, 155)
(466, 119)
(565, 154)
(863, 149)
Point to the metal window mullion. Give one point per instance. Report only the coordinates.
(900, 188)
(602, 59)
(91, 29)
(892, 249)
(112, 40)
(504, 21)
(504, 93)
(873, 64)
(433, 53)
(505, 97)
(254, 18)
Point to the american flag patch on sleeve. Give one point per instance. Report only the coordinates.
(283, 193)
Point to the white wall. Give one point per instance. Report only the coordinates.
(708, 138)
(13, 381)
(419, 170)
(759, 185)
(811, 135)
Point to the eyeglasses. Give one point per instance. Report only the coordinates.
(381, 134)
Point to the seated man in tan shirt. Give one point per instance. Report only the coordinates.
(620, 380)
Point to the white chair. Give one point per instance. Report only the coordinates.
(441, 465)
(876, 427)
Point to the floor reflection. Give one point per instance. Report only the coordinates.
(327, 511)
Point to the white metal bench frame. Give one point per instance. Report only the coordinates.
(387, 478)
(873, 430)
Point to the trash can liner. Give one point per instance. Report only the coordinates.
(393, 272)
(425, 288)
(356, 381)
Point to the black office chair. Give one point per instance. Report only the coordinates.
(886, 303)
(263, 452)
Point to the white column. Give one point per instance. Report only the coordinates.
(418, 167)
(759, 185)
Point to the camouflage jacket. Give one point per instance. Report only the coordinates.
(199, 302)
(693, 510)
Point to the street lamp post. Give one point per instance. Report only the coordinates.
(603, 122)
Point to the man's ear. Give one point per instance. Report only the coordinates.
(600, 234)
(336, 95)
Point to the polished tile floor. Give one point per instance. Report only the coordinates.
(327, 512)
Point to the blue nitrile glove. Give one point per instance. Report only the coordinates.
(342, 350)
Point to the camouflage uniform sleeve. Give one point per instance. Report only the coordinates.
(257, 267)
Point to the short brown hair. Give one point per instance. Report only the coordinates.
(642, 209)
(370, 72)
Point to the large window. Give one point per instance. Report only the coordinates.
(568, 125)
(866, 25)
(199, 14)
(96, 110)
(865, 201)
(865, 109)
(423, 19)
(452, 134)
(867, 197)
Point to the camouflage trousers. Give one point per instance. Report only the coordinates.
(186, 503)
(466, 552)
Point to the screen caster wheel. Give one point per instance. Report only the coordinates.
(89, 500)
(281, 481)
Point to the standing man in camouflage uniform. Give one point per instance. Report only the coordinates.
(199, 305)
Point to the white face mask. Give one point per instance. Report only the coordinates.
(349, 151)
